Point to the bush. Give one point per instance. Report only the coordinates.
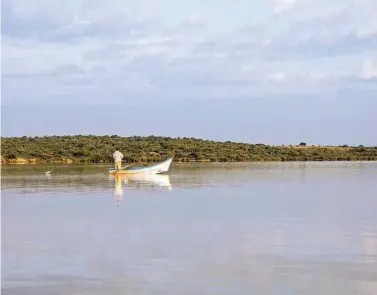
(96, 149)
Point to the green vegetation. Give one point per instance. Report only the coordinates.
(99, 149)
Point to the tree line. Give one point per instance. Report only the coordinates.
(99, 149)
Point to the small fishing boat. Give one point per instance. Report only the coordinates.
(153, 169)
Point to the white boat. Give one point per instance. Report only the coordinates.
(153, 169)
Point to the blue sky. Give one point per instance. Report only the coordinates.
(277, 72)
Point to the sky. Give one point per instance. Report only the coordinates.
(275, 72)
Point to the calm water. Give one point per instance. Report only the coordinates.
(284, 229)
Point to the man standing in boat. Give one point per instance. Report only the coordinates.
(118, 156)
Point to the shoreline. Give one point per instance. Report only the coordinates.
(80, 162)
(79, 149)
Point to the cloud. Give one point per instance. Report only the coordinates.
(73, 51)
(369, 70)
(276, 77)
(283, 5)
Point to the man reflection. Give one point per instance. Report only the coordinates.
(118, 191)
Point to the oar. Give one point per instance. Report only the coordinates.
(142, 163)
(128, 165)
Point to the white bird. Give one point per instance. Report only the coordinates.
(47, 172)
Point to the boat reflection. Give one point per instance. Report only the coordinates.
(148, 180)
(143, 181)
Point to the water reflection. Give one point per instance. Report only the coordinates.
(149, 180)
(139, 181)
(118, 191)
(304, 229)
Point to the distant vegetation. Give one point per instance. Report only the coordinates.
(99, 149)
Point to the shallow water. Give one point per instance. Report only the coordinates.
(264, 228)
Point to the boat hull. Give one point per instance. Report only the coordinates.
(155, 169)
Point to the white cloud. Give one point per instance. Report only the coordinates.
(276, 77)
(86, 49)
(283, 5)
(60, 12)
(32, 57)
(369, 69)
(367, 30)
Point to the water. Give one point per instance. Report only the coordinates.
(268, 228)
